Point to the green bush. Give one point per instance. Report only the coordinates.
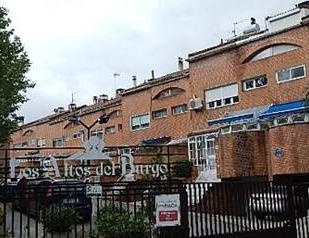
(182, 168)
(59, 218)
(114, 222)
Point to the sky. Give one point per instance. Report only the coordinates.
(76, 46)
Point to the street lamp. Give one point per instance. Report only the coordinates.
(101, 120)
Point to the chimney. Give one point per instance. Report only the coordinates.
(72, 107)
(152, 74)
(119, 91)
(180, 63)
(103, 98)
(95, 99)
(134, 80)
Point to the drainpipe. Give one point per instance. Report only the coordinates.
(268, 156)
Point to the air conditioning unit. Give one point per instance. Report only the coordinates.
(195, 104)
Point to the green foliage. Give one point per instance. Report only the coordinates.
(14, 64)
(114, 222)
(59, 218)
(183, 168)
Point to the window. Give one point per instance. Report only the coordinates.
(110, 130)
(271, 51)
(169, 92)
(282, 120)
(298, 118)
(98, 133)
(222, 96)
(226, 129)
(257, 82)
(291, 73)
(119, 127)
(140, 121)
(159, 114)
(179, 109)
(41, 142)
(237, 127)
(57, 142)
(253, 127)
(202, 151)
(116, 113)
(79, 135)
(32, 142)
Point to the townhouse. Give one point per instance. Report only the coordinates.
(239, 107)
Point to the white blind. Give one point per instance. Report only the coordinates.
(213, 94)
(145, 119)
(135, 121)
(222, 92)
(230, 91)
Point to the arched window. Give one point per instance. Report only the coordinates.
(173, 91)
(271, 51)
(28, 132)
(115, 113)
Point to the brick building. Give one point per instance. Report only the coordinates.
(239, 106)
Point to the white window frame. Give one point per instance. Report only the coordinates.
(258, 126)
(254, 83)
(290, 69)
(226, 132)
(242, 129)
(161, 110)
(140, 124)
(96, 132)
(198, 146)
(58, 140)
(222, 98)
(182, 111)
(110, 130)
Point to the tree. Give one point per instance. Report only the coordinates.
(14, 64)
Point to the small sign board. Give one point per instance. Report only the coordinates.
(167, 210)
(93, 190)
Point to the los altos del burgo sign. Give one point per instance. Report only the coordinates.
(93, 151)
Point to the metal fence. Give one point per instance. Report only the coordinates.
(49, 207)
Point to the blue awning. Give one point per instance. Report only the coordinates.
(230, 119)
(283, 109)
(159, 140)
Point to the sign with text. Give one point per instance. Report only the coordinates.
(167, 210)
(93, 190)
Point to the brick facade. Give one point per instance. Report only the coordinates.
(238, 154)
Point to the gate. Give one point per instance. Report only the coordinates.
(254, 209)
(79, 206)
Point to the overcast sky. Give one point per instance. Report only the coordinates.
(76, 46)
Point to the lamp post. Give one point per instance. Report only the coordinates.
(101, 120)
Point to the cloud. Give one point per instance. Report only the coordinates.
(77, 45)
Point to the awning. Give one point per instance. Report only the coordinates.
(158, 140)
(250, 114)
(284, 108)
(230, 119)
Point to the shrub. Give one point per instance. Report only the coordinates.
(59, 218)
(114, 222)
(183, 168)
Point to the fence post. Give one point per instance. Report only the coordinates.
(184, 210)
(291, 212)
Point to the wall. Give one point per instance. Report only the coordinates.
(242, 154)
(293, 140)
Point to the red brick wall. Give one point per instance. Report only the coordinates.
(228, 67)
(293, 140)
(242, 154)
